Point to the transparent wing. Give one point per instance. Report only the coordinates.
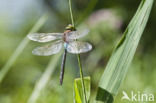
(48, 49)
(44, 37)
(77, 47)
(77, 34)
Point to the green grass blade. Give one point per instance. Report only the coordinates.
(78, 90)
(41, 84)
(123, 54)
(20, 48)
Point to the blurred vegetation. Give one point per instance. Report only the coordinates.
(106, 22)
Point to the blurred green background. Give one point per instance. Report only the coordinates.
(107, 21)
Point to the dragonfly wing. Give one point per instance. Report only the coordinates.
(77, 35)
(77, 47)
(44, 37)
(48, 49)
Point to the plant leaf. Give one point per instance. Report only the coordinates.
(123, 54)
(78, 90)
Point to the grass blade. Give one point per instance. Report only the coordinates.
(78, 90)
(123, 54)
(40, 85)
(20, 48)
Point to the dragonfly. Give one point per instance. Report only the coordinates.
(67, 40)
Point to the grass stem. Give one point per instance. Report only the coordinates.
(71, 13)
(78, 56)
(82, 78)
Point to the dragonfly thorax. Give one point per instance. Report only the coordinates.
(65, 35)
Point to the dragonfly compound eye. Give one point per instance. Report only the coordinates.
(70, 27)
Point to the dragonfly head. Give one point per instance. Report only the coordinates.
(71, 27)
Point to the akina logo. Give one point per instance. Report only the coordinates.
(138, 96)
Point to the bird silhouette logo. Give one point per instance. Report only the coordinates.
(125, 96)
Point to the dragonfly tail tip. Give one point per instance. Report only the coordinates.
(61, 83)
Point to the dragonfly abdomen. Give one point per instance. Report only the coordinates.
(65, 45)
